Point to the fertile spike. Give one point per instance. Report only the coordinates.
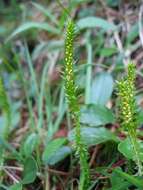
(71, 96)
(128, 109)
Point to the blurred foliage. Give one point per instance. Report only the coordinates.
(37, 154)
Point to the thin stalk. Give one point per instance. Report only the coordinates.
(88, 73)
(21, 75)
(47, 180)
(31, 69)
(135, 145)
(49, 110)
(41, 96)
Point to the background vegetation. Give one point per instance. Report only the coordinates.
(36, 127)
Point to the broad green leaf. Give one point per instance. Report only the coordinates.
(16, 186)
(132, 179)
(107, 52)
(95, 115)
(30, 170)
(133, 33)
(102, 87)
(126, 148)
(30, 144)
(92, 22)
(59, 155)
(94, 136)
(30, 25)
(118, 183)
(51, 148)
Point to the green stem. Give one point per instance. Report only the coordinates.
(71, 95)
(136, 151)
(88, 73)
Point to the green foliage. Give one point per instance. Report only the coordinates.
(118, 183)
(71, 95)
(133, 180)
(96, 115)
(30, 170)
(5, 107)
(30, 144)
(16, 186)
(102, 88)
(107, 52)
(93, 136)
(59, 155)
(127, 149)
(91, 22)
(33, 25)
(52, 148)
(34, 149)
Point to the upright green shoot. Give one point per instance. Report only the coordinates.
(88, 71)
(128, 110)
(71, 96)
(5, 108)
